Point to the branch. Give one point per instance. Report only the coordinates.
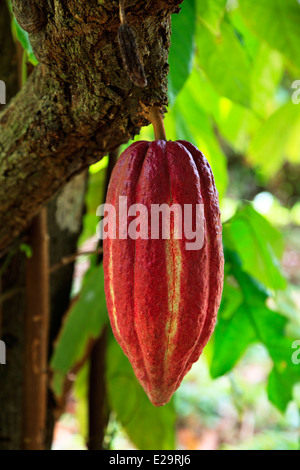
(70, 259)
(79, 103)
(36, 336)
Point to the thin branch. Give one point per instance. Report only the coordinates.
(70, 259)
(10, 293)
(36, 334)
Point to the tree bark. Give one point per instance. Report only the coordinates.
(79, 103)
(65, 222)
(63, 242)
(8, 54)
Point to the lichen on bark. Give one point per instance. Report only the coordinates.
(79, 103)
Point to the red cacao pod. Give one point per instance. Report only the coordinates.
(163, 299)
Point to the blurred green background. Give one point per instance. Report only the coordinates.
(232, 90)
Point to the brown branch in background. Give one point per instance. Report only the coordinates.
(36, 336)
(9, 294)
(98, 407)
(70, 259)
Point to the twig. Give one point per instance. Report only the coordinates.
(69, 259)
(10, 293)
(36, 336)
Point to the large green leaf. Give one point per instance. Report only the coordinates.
(266, 74)
(188, 121)
(148, 427)
(234, 327)
(225, 62)
(94, 197)
(211, 13)
(254, 321)
(235, 122)
(269, 327)
(277, 22)
(258, 244)
(182, 49)
(23, 38)
(276, 139)
(83, 322)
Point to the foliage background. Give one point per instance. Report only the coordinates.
(232, 66)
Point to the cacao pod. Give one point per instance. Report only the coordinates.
(163, 299)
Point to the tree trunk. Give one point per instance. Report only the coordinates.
(79, 102)
(63, 242)
(76, 106)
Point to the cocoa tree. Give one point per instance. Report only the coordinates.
(232, 68)
(77, 105)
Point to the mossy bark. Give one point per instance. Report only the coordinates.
(79, 103)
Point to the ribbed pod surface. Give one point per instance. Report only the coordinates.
(162, 298)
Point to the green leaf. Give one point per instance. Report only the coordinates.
(84, 321)
(225, 63)
(266, 75)
(188, 121)
(277, 22)
(233, 333)
(94, 197)
(235, 122)
(148, 427)
(182, 49)
(23, 38)
(258, 244)
(280, 385)
(81, 394)
(211, 13)
(276, 139)
(268, 328)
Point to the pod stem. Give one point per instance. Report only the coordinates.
(122, 12)
(157, 122)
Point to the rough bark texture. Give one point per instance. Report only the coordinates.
(79, 102)
(12, 282)
(63, 242)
